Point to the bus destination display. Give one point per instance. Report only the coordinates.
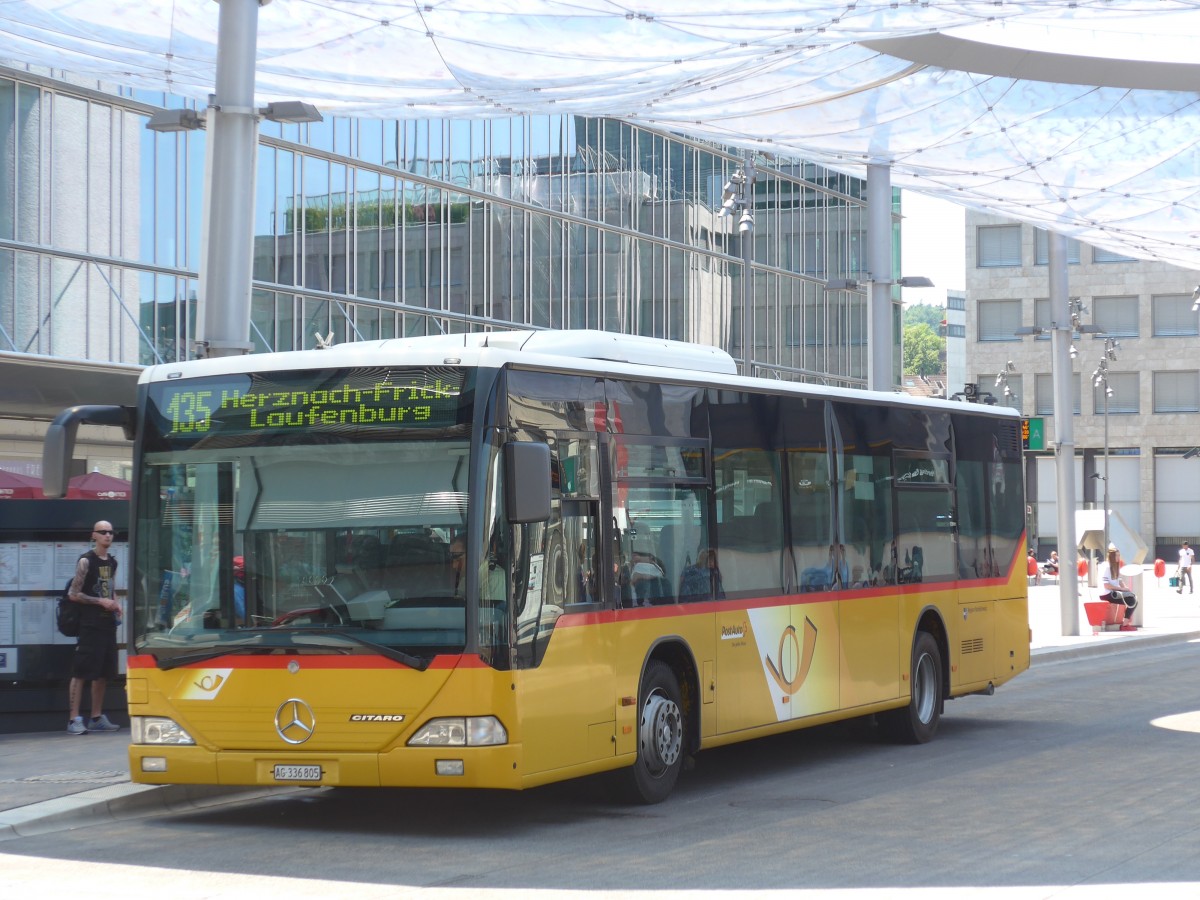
(293, 405)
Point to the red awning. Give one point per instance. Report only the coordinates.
(19, 487)
(98, 486)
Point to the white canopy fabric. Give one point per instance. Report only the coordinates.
(1081, 117)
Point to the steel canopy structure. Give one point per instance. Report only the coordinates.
(1080, 117)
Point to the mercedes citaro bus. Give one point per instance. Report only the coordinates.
(501, 560)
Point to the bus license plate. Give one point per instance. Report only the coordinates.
(297, 773)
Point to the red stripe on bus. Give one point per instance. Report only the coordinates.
(462, 661)
(310, 661)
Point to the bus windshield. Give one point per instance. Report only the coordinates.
(320, 540)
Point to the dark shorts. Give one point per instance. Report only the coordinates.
(96, 653)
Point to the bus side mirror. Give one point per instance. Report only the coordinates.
(526, 482)
(59, 444)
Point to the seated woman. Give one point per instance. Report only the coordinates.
(1114, 589)
(1050, 566)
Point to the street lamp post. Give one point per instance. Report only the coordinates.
(738, 196)
(1002, 381)
(1067, 314)
(1100, 380)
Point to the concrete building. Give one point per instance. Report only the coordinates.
(955, 333)
(1151, 411)
(371, 228)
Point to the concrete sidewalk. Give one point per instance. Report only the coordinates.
(52, 781)
(1165, 616)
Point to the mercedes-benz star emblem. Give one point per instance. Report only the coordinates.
(294, 721)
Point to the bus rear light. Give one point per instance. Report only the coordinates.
(471, 731)
(157, 730)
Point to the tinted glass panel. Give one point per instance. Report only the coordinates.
(749, 510)
(666, 409)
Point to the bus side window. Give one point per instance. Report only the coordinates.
(864, 478)
(750, 522)
(812, 537)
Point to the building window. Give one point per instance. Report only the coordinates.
(1108, 256)
(1042, 318)
(987, 385)
(1118, 316)
(956, 331)
(956, 301)
(999, 320)
(1124, 399)
(1173, 315)
(998, 245)
(1041, 249)
(1044, 401)
(1177, 392)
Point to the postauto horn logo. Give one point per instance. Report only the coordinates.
(804, 658)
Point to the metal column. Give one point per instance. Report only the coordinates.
(228, 253)
(880, 315)
(1064, 430)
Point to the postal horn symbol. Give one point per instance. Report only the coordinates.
(804, 659)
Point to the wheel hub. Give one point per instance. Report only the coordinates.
(923, 689)
(660, 733)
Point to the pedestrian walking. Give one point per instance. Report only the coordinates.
(95, 657)
(1187, 557)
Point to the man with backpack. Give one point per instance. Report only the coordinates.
(95, 660)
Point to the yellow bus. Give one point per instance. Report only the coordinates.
(502, 560)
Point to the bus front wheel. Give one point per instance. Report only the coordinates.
(917, 723)
(660, 734)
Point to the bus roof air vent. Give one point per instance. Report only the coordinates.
(625, 348)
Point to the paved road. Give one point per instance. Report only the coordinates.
(1077, 780)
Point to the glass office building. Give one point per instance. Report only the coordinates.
(375, 228)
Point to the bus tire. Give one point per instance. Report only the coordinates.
(661, 731)
(917, 722)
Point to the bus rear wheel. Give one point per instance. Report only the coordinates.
(660, 734)
(917, 723)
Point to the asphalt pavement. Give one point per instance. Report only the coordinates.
(52, 781)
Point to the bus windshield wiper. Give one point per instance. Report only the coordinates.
(275, 640)
(413, 662)
(247, 644)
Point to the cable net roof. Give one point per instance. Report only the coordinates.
(1081, 117)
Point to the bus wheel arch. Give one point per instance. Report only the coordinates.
(917, 721)
(667, 724)
(931, 623)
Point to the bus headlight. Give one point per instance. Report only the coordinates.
(157, 730)
(470, 731)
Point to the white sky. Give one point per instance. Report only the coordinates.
(932, 243)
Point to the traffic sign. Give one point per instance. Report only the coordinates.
(1033, 434)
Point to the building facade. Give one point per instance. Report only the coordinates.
(1145, 410)
(370, 228)
(955, 333)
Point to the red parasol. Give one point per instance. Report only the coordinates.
(19, 487)
(98, 486)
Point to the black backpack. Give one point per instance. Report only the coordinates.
(68, 614)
